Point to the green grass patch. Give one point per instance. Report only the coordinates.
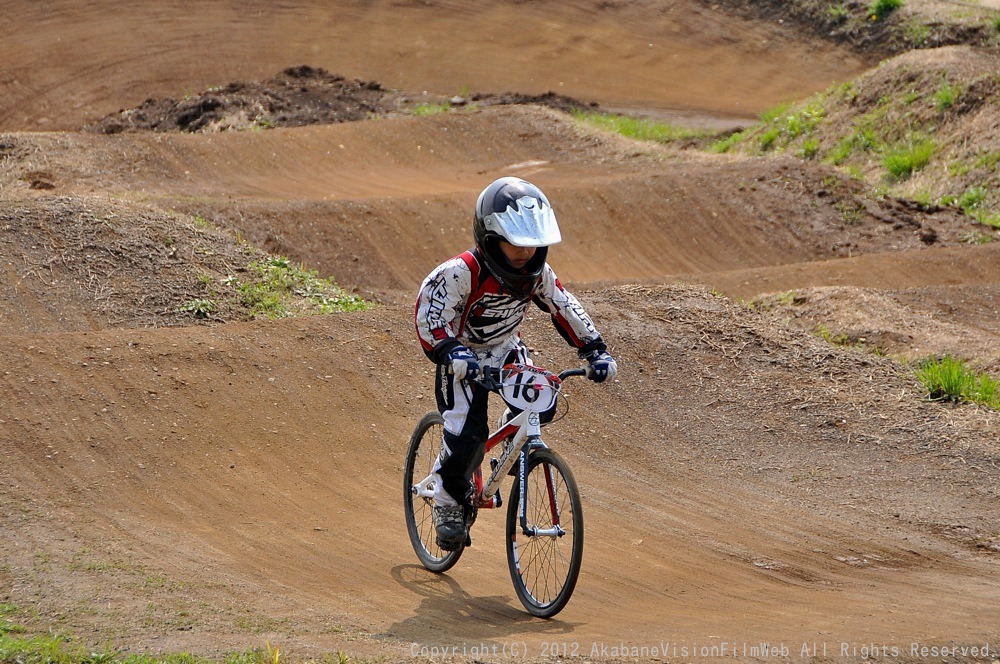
(975, 237)
(987, 218)
(809, 149)
(773, 113)
(769, 137)
(841, 339)
(867, 138)
(972, 198)
(19, 647)
(878, 10)
(903, 162)
(200, 308)
(948, 379)
(988, 160)
(946, 94)
(638, 128)
(202, 223)
(917, 32)
(431, 109)
(279, 288)
(837, 12)
(971, 202)
(841, 152)
(804, 121)
(784, 126)
(850, 212)
(728, 143)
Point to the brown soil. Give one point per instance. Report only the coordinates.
(209, 485)
(296, 97)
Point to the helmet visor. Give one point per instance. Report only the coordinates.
(529, 222)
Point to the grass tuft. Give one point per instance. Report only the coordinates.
(905, 161)
(61, 649)
(948, 379)
(946, 94)
(879, 9)
(431, 109)
(277, 285)
(637, 128)
(726, 143)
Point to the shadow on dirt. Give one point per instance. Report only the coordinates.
(447, 608)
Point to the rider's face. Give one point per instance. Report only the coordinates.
(518, 257)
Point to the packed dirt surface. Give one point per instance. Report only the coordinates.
(70, 64)
(173, 482)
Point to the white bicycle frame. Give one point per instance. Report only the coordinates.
(518, 436)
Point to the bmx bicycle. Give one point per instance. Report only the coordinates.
(544, 536)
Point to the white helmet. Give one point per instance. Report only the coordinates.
(517, 211)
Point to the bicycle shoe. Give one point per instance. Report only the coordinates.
(449, 522)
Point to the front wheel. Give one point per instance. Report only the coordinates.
(544, 553)
(418, 505)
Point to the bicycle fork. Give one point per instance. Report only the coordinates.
(534, 531)
(491, 499)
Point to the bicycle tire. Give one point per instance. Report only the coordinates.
(425, 444)
(545, 568)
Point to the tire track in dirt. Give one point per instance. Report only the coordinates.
(234, 442)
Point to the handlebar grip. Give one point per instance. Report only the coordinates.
(488, 379)
(581, 371)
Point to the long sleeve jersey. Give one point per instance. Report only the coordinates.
(460, 302)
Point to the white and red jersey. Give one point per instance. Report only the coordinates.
(460, 302)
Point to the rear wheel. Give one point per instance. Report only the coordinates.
(425, 445)
(545, 561)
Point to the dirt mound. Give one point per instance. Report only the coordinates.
(910, 324)
(548, 99)
(77, 263)
(862, 25)
(378, 212)
(905, 127)
(296, 97)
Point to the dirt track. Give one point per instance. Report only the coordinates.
(209, 489)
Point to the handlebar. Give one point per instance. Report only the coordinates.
(580, 371)
(490, 379)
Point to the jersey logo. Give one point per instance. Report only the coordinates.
(493, 316)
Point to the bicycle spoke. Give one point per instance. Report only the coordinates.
(419, 509)
(545, 566)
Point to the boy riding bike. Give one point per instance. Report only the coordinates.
(468, 314)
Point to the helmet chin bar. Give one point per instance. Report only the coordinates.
(517, 282)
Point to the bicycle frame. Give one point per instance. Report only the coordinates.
(518, 436)
(522, 427)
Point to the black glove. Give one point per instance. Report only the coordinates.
(602, 366)
(463, 363)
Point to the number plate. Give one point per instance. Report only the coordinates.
(529, 388)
